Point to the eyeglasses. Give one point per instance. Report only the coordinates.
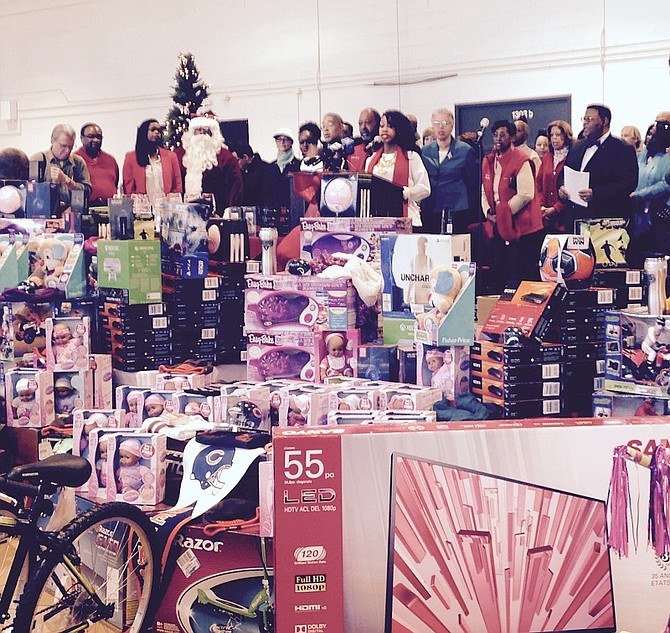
(307, 141)
(588, 119)
(202, 130)
(282, 139)
(98, 136)
(441, 123)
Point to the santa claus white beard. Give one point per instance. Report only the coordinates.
(200, 156)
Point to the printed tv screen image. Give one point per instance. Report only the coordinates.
(473, 552)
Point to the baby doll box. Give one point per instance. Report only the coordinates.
(457, 326)
(231, 395)
(446, 368)
(363, 398)
(136, 463)
(290, 302)
(181, 382)
(77, 393)
(29, 398)
(406, 263)
(304, 405)
(68, 343)
(84, 422)
(344, 365)
(637, 353)
(208, 407)
(183, 233)
(409, 398)
(98, 442)
(287, 355)
(320, 238)
(131, 400)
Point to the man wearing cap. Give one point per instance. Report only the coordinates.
(286, 163)
(210, 166)
(611, 165)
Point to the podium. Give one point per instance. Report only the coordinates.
(345, 194)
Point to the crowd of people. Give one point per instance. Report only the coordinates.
(520, 190)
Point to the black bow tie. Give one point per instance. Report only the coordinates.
(590, 142)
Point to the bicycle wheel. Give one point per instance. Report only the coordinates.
(9, 542)
(102, 576)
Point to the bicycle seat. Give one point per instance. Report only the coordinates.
(62, 470)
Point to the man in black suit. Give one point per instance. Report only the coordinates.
(612, 166)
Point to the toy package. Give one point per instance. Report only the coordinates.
(290, 302)
(67, 343)
(181, 382)
(609, 238)
(610, 404)
(378, 361)
(23, 329)
(72, 390)
(637, 353)
(131, 400)
(98, 445)
(29, 398)
(409, 398)
(336, 354)
(321, 238)
(84, 422)
(183, 231)
(303, 405)
(136, 464)
(446, 368)
(281, 355)
(406, 264)
(208, 407)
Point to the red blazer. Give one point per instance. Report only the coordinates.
(135, 177)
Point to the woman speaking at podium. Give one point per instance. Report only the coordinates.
(399, 161)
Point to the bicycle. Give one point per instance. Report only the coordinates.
(99, 572)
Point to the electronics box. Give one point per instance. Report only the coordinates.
(610, 240)
(531, 308)
(132, 267)
(610, 404)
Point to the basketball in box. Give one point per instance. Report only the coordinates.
(637, 351)
(29, 397)
(450, 320)
(281, 355)
(183, 232)
(68, 343)
(132, 267)
(321, 238)
(445, 368)
(609, 404)
(406, 264)
(226, 565)
(298, 303)
(136, 463)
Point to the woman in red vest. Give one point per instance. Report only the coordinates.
(512, 210)
(399, 161)
(560, 136)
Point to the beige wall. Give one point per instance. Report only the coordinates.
(281, 62)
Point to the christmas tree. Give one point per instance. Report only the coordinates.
(189, 93)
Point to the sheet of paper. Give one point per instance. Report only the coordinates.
(575, 181)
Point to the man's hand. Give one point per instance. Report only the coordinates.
(563, 193)
(585, 194)
(58, 176)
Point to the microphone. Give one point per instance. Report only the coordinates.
(483, 124)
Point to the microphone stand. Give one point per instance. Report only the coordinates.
(479, 288)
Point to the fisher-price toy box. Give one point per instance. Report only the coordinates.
(22, 329)
(637, 353)
(289, 355)
(290, 302)
(225, 564)
(29, 397)
(136, 463)
(321, 238)
(406, 264)
(183, 232)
